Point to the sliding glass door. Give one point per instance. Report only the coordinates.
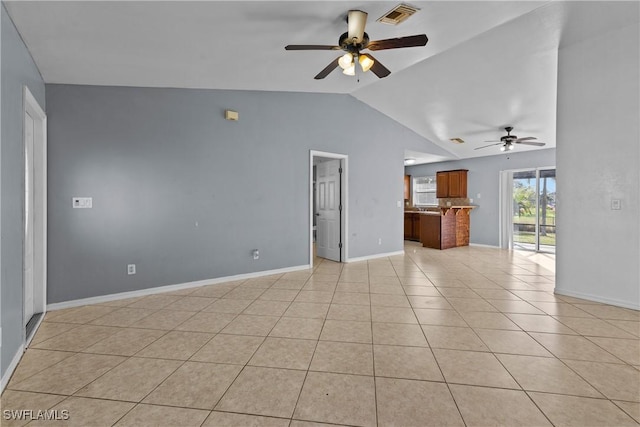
(531, 216)
(546, 210)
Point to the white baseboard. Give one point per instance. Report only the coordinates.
(12, 367)
(597, 298)
(35, 330)
(480, 245)
(368, 257)
(170, 288)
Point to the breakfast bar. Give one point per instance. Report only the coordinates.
(445, 227)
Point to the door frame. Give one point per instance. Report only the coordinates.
(506, 213)
(344, 200)
(31, 106)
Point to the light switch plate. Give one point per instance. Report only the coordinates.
(82, 202)
(616, 204)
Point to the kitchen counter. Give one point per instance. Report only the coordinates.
(439, 210)
(414, 226)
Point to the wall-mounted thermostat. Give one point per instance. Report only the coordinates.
(82, 202)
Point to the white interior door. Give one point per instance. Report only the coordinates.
(29, 218)
(328, 210)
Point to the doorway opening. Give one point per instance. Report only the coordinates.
(34, 258)
(328, 195)
(528, 209)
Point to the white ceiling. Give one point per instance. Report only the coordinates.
(487, 64)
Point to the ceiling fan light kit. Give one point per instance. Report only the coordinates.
(354, 41)
(347, 63)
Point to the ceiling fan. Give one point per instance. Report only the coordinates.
(354, 41)
(508, 140)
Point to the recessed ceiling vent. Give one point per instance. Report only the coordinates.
(398, 14)
(457, 140)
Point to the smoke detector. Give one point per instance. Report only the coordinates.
(398, 14)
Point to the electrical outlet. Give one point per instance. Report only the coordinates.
(616, 204)
(380, 241)
(131, 269)
(256, 254)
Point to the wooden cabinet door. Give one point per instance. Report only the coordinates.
(407, 187)
(408, 226)
(454, 184)
(416, 227)
(442, 185)
(430, 231)
(463, 184)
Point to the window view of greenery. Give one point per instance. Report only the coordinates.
(524, 207)
(424, 191)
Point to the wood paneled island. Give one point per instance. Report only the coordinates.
(445, 228)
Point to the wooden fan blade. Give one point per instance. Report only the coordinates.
(485, 146)
(377, 68)
(327, 70)
(537, 144)
(311, 47)
(409, 41)
(526, 138)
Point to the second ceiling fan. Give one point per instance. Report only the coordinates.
(354, 41)
(508, 140)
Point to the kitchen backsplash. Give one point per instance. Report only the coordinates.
(461, 201)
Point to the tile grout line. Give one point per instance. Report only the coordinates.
(436, 360)
(324, 320)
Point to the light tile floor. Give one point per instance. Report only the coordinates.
(466, 336)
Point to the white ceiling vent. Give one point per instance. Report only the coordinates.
(398, 14)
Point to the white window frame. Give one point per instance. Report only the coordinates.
(414, 186)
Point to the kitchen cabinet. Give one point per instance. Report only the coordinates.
(442, 185)
(451, 184)
(430, 230)
(412, 226)
(407, 187)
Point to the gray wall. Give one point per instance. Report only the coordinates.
(18, 69)
(158, 161)
(484, 178)
(598, 253)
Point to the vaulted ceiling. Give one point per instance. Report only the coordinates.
(488, 64)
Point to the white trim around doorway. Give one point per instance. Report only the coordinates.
(344, 200)
(31, 106)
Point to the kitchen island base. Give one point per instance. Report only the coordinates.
(446, 229)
